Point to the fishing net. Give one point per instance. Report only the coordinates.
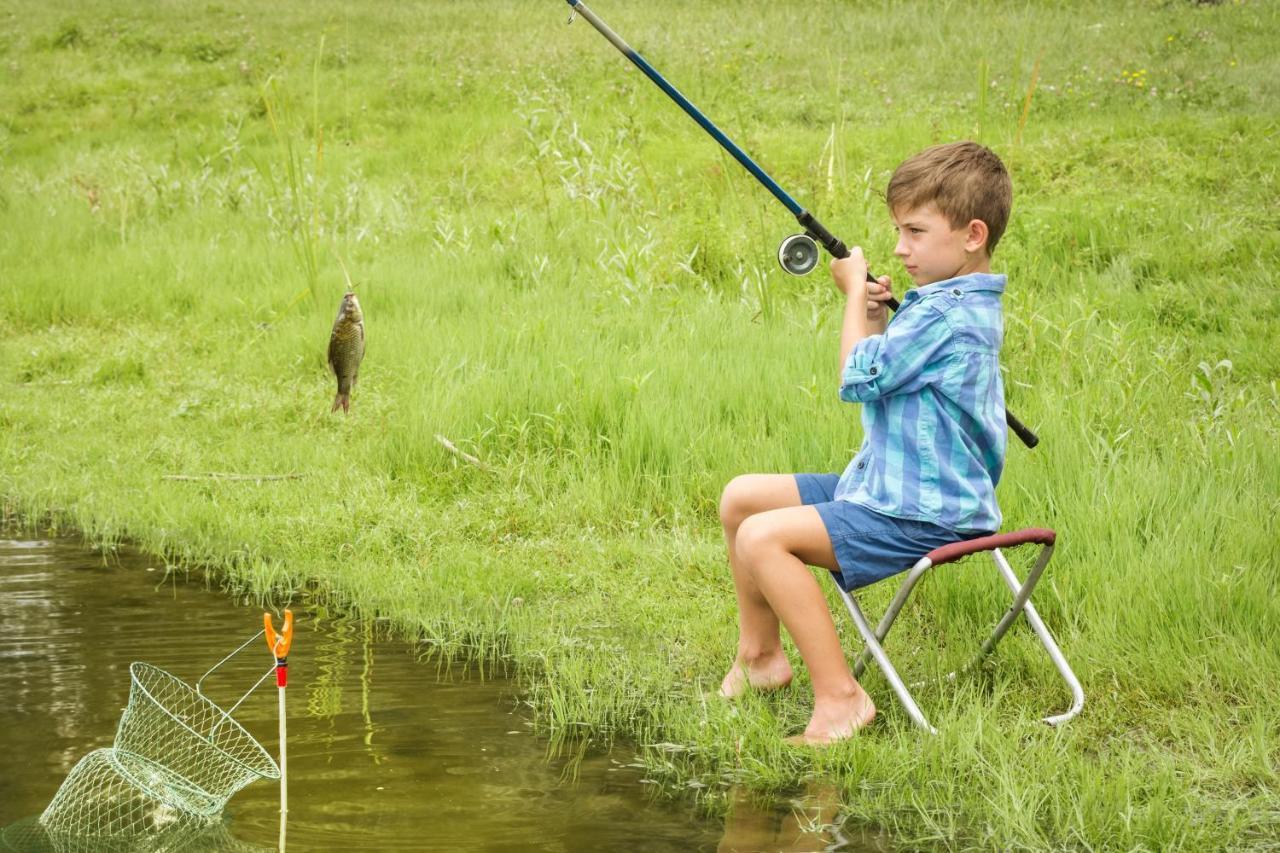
(173, 724)
(177, 759)
(113, 799)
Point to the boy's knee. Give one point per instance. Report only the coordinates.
(756, 534)
(735, 502)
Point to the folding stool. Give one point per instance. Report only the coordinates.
(1021, 604)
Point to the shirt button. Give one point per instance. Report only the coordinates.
(873, 371)
(862, 464)
(956, 292)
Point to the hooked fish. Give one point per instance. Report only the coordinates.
(346, 349)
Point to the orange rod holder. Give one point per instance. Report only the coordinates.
(279, 644)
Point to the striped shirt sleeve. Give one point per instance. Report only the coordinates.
(899, 361)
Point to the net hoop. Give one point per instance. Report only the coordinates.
(146, 683)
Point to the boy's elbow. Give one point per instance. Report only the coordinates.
(855, 391)
(861, 382)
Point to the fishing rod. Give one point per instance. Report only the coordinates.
(798, 254)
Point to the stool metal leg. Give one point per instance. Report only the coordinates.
(1021, 599)
(1021, 596)
(882, 660)
(886, 622)
(1037, 625)
(1021, 604)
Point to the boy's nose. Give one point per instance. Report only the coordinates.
(901, 248)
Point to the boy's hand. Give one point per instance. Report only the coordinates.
(850, 274)
(878, 293)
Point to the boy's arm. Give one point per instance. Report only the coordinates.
(880, 359)
(864, 311)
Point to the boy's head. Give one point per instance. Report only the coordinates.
(950, 204)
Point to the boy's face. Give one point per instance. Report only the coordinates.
(933, 250)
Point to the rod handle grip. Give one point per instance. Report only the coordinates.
(834, 246)
(1029, 438)
(815, 229)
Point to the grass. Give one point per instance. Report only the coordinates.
(563, 277)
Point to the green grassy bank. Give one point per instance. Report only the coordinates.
(562, 276)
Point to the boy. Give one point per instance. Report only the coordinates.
(933, 420)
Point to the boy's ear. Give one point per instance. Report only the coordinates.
(975, 238)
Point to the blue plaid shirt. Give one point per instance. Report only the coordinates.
(933, 408)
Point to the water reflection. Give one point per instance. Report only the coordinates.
(809, 821)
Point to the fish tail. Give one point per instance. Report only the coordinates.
(343, 401)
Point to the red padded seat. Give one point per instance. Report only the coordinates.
(956, 550)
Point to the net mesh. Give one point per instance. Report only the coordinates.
(170, 723)
(114, 798)
(177, 759)
(31, 836)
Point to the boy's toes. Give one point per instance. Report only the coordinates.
(734, 684)
(829, 732)
(738, 680)
(818, 740)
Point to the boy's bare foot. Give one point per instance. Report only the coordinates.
(836, 720)
(767, 673)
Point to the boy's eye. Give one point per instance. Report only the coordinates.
(916, 230)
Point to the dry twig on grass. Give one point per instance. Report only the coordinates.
(233, 478)
(466, 457)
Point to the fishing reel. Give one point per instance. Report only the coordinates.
(798, 254)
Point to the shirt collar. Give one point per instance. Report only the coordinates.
(993, 282)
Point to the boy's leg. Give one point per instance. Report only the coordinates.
(760, 661)
(774, 549)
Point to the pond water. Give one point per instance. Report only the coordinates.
(387, 749)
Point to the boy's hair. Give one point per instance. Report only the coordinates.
(964, 180)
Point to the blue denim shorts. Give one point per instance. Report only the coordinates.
(869, 546)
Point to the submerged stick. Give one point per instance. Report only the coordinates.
(466, 457)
